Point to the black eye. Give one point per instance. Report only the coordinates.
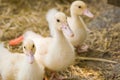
(79, 6)
(58, 20)
(24, 47)
(33, 46)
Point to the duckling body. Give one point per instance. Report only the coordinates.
(76, 23)
(32, 71)
(78, 27)
(60, 53)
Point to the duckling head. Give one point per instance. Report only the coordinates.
(29, 49)
(60, 20)
(80, 8)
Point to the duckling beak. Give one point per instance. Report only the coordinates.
(67, 30)
(30, 57)
(88, 13)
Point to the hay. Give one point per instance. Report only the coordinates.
(18, 16)
(105, 39)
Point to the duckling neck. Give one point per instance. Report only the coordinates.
(59, 35)
(78, 21)
(75, 17)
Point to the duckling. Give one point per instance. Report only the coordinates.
(21, 66)
(77, 24)
(59, 49)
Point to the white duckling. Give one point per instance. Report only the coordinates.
(21, 66)
(77, 24)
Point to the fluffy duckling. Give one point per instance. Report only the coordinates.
(21, 66)
(77, 24)
(59, 48)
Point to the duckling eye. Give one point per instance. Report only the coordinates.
(79, 6)
(33, 46)
(24, 47)
(58, 20)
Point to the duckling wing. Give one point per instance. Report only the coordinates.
(87, 29)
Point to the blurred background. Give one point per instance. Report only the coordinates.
(18, 16)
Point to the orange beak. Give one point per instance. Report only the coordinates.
(16, 41)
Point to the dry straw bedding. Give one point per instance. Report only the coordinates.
(18, 16)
